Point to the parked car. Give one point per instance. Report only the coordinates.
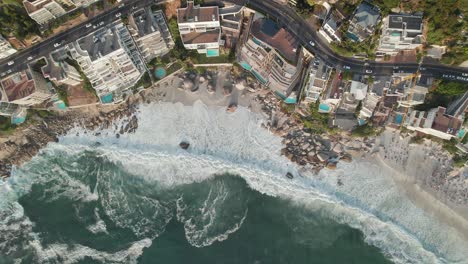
(30, 58)
(368, 71)
(312, 43)
(118, 15)
(88, 25)
(346, 67)
(57, 44)
(10, 63)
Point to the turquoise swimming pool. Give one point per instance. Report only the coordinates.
(160, 72)
(259, 77)
(398, 118)
(61, 106)
(106, 99)
(324, 107)
(18, 120)
(212, 53)
(245, 65)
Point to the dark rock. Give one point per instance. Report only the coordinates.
(184, 145)
(289, 175)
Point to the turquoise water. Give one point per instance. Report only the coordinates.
(212, 53)
(61, 105)
(398, 118)
(160, 73)
(324, 107)
(107, 99)
(245, 65)
(259, 77)
(18, 120)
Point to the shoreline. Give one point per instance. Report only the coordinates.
(310, 152)
(427, 201)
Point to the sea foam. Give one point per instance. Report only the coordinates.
(235, 143)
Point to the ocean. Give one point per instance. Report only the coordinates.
(93, 197)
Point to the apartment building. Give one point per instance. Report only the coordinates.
(231, 22)
(150, 32)
(110, 60)
(364, 21)
(5, 48)
(24, 88)
(401, 32)
(43, 11)
(318, 78)
(273, 56)
(200, 28)
(59, 71)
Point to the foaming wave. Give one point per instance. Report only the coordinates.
(73, 253)
(235, 143)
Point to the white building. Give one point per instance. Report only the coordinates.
(43, 11)
(273, 56)
(358, 90)
(59, 71)
(25, 88)
(401, 32)
(368, 105)
(364, 21)
(110, 60)
(330, 28)
(200, 28)
(151, 34)
(5, 48)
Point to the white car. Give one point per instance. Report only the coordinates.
(121, 5)
(88, 25)
(10, 63)
(56, 45)
(118, 15)
(346, 67)
(312, 43)
(395, 67)
(30, 58)
(9, 71)
(2, 74)
(368, 71)
(102, 23)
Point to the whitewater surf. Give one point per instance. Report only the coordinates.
(97, 198)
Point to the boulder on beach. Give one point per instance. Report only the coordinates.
(184, 145)
(289, 175)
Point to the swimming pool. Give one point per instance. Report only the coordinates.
(324, 107)
(212, 53)
(259, 77)
(61, 105)
(160, 72)
(398, 118)
(18, 120)
(106, 99)
(245, 65)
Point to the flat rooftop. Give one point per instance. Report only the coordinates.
(201, 37)
(18, 85)
(268, 31)
(398, 21)
(193, 13)
(144, 22)
(100, 43)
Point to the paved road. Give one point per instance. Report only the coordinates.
(43, 48)
(289, 19)
(284, 15)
